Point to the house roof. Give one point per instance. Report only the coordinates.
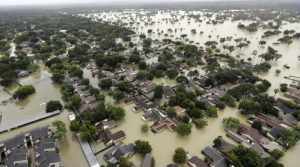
(147, 161)
(212, 154)
(253, 133)
(218, 160)
(196, 162)
(118, 135)
(172, 165)
(225, 146)
(118, 151)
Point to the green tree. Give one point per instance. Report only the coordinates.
(200, 123)
(23, 92)
(180, 156)
(75, 101)
(53, 105)
(283, 87)
(117, 113)
(228, 100)
(145, 128)
(231, 123)
(212, 112)
(142, 147)
(245, 157)
(249, 106)
(58, 77)
(105, 83)
(158, 92)
(87, 132)
(60, 129)
(118, 95)
(277, 154)
(184, 129)
(75, 126)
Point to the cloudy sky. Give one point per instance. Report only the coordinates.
(51, 2)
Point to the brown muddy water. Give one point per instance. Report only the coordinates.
(70, 150)
(176, 23)
(164, 143)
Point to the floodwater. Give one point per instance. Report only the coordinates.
(176, 23)
(166, 142)
(69, 148)
(33, 105)
(13, 50)
(12, 112)
(171, 25)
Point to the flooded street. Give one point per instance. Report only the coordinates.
(34, 105)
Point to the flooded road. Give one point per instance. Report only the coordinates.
(33, 105)
(70, 149)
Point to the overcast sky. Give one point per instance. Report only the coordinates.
(51, 2)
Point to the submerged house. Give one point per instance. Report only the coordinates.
(250, 138)
(148, 161)
(293, 93)
(215, 158)
(106, 124)
(109, 138)
(196, 162)
(118, 151)
(162, 124)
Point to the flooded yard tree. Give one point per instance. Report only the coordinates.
(184, 129)
(24, 91)
(53, 105)
(245, 157)
(60, 129)
(180, 156)
(142, 147)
